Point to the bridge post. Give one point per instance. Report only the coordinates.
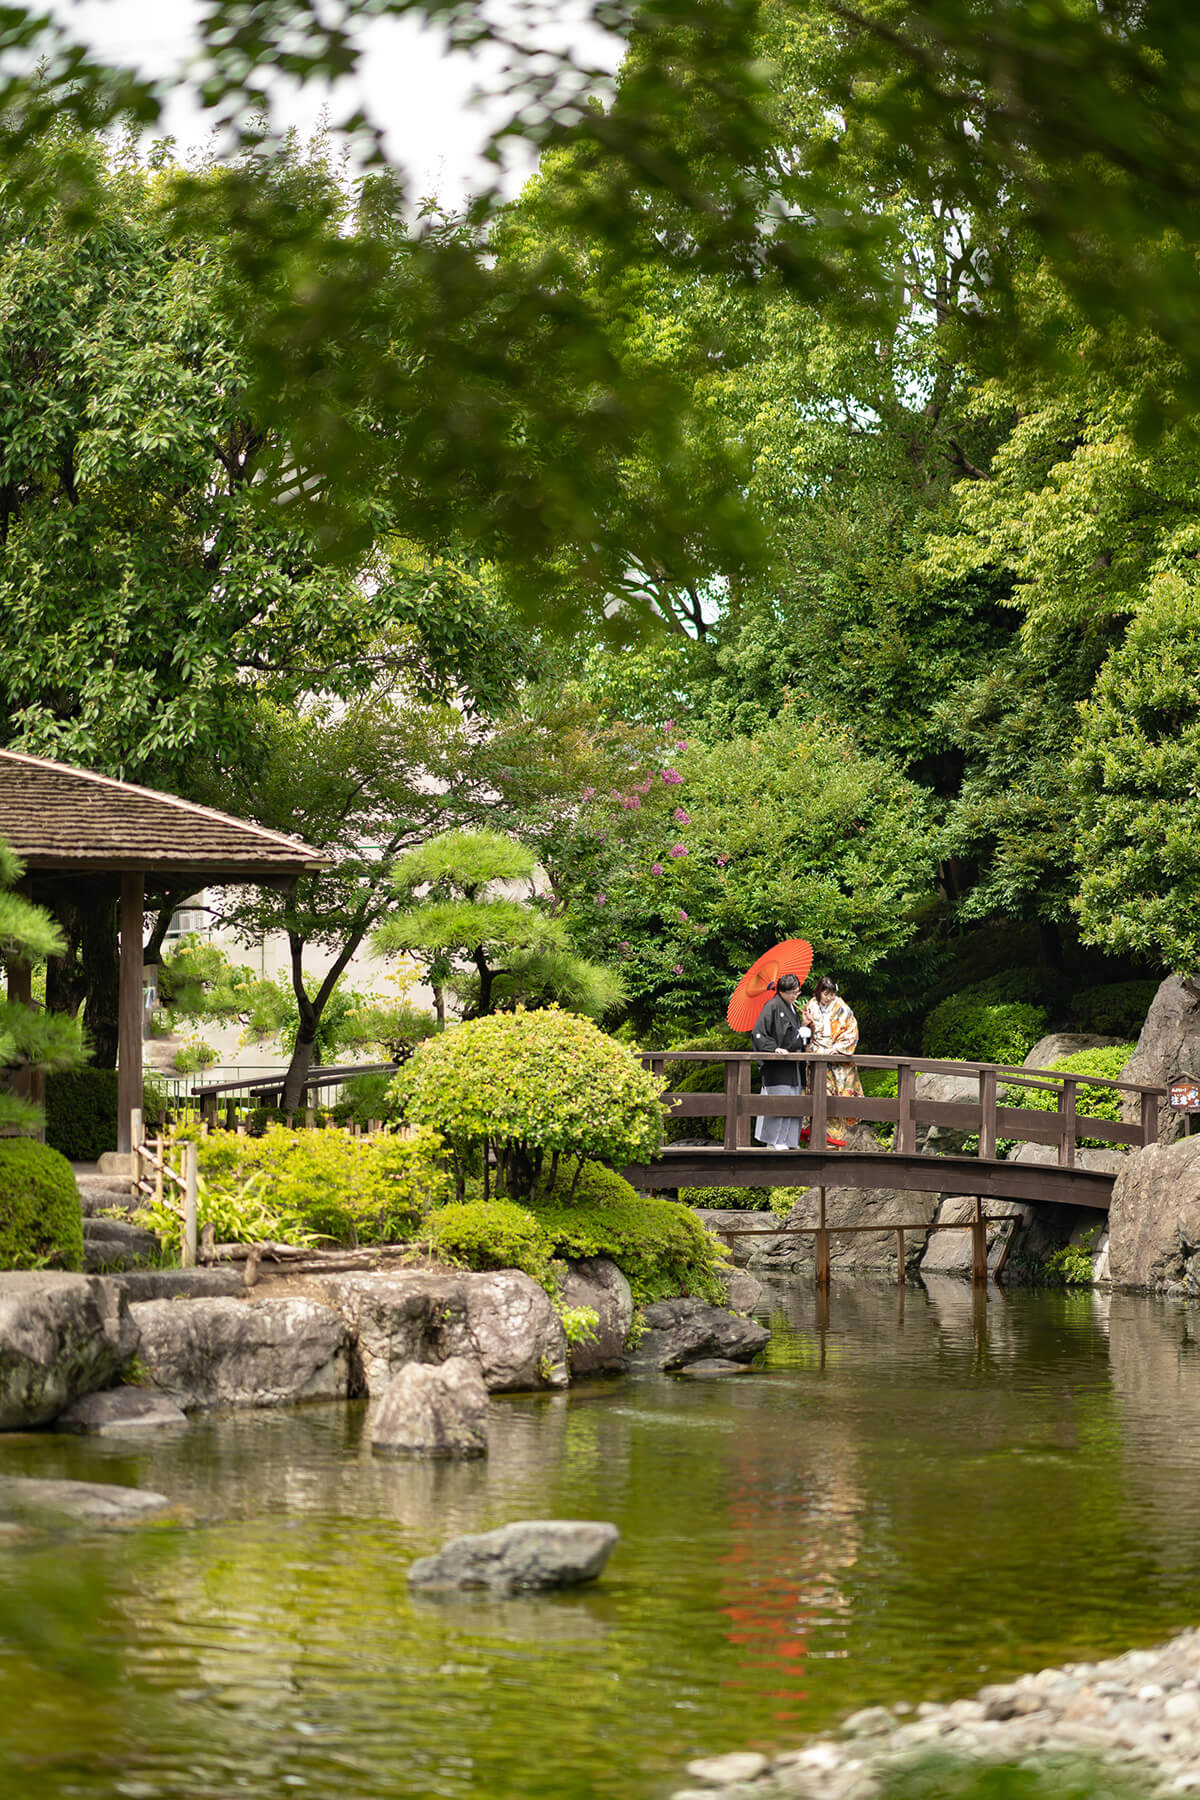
(818, 1125)
(987, 1113)
(979, 1268)
(1149, 1118)
(906, 1129)
(821, 1254)
(900, 1255)
(1067, 1129)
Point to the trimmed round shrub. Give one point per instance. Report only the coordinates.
(490, 1234)
(972, 1030)
(81, 1113)
(662, 1248)
(1090, 1102)
(535, 1085)
(41, 1219)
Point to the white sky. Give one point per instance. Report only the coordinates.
(411, 86)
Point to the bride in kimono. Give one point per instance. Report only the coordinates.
(834, 1028)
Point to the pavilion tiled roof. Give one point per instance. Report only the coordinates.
(59, 818)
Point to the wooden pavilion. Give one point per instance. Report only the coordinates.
(75, 830)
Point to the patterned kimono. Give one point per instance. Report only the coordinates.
(834, 1028)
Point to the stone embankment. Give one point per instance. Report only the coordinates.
(1139, 1713)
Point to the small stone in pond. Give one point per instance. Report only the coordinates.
(723, 1771)
(531, 1553)
(713, 1365)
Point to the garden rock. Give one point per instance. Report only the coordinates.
(120, 1412)
(62, 1336)
(729, 1218)
(743, 1291)
(398, 1319)
(686, 1331)
(110, 1243)
(224, 1352)
(1169, 1045)
(596, 1282)
(182, 1284)
(100, 1194)
(85, 1502)
(713, 1365)
(863, 1252)
(953, 1090)
(534, 1553)
(514, 1332)
(433, 1410)
(1064, 1043)
(1154, 1220)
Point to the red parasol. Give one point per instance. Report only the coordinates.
(750, 994)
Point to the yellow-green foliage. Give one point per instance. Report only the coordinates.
(41, 1221)
(1090, 1102)
(547, 1082)
(299, 1186)
(490, 1234)
(662, 1248)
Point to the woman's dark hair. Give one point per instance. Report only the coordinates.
(825, 983)
(787, 984)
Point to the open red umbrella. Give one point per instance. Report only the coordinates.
(750, 995)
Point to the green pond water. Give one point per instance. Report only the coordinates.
(917, 1493)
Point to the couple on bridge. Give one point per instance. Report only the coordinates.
(824, 1028)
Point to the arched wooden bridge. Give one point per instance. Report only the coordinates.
(737, 1162)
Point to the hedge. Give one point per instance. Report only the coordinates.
(41, 1220)
(81, 1112)
(974, 1030)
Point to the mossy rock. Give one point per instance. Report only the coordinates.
(41, 1219)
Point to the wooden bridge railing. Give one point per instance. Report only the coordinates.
(737, 1104)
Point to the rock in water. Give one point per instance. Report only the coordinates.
(596, 1282)
(243, 1353)
(1154, 1220)
(120, 1412)
(62, 1336)
(434, 1409)
(685, 1331)
(533, 1553)
(88, 1502)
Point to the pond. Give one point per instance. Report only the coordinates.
(917, 1493)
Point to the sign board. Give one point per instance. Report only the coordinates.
(1183, 1094)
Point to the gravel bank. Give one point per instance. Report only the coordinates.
(1140, 1711)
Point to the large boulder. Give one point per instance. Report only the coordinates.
(120, 1412)
(533, 1553)
(1064, 1043)
(596, 1282)
(1169, 1045)
(182, 1284)
(871, 1251)
(397, 1319)
(434, 1410)
(962, 1090)
(225, 1352)
(683, 1331)
(720, 1219)
(60, 1336)
(503, 1321)
(514, 1332)
(1154, 1220)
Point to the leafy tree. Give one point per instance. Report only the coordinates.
(457, 912)
(32, 1041)
(790, 833)
(1134, 775)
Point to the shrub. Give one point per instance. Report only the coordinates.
(1117, 1009)
(490, 1234)
(295, 1186)
(777, 1200)
(532, 1085)
(81, 1111)
(983, 1031)
(662, 1248)
(366, 1098)
(695, 1078)
(41, 1220)
(1090, 1102)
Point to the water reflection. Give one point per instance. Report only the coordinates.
(920, 1491)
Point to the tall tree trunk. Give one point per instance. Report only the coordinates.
(310, 1008)
(101, 975)
(486, 978)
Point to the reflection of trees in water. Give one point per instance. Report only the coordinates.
(794, 1515)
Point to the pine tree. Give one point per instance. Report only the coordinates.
(30, 1037)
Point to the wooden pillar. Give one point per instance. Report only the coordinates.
(1068, 1127)
(987, 1113)
(820, 1098)
(821, 1258)
(979, 1268)
(741, 1101)
(129, 1012)
(906, 1090)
